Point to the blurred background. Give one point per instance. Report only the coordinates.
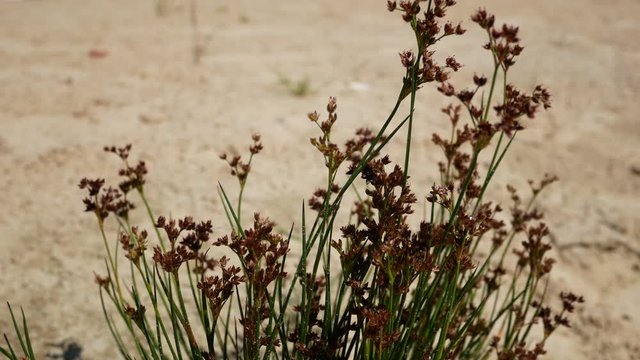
(184, 81)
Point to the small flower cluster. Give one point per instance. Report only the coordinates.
(134, 244)
(261, 252)
(195, 235)
(333, 155)
(219, 288)
(104, 200)
(134, 175)
(260, 249)
(428, 26)
(550, 321)
(423, 68)
(503, 41)
(504, 46)
(239, 168)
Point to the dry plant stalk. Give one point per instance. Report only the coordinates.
(398, 293)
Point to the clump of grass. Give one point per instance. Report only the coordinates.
(469, 282)
(299, 88)
(197, 43)
(162, 7)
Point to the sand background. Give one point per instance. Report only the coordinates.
(59, 106)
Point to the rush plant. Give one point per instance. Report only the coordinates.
(469, 282)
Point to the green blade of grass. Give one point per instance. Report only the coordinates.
(18, 333)
(5, 352)
(114, 332)
(10, 354)
(228, 207)
(26, 334)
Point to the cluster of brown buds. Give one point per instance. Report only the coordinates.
(422, 68)
(534, 251)
(504, 46)
(134, 176)
(546, 181)
(552, 321)
(134, 244)
(316, 202)
(334, 156)
(518, 104)
(386, 242)
(527, 220)
(239, 168)
(103, 282)
(104, 200)
(428, 26)
(520, 217)
(195, 235)
(260, 249)
(503, 41)
(519, 350)
(219, 288)
(376, 320)
(136, 314)
(262, 253)
(172, 259)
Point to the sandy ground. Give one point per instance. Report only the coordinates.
(59, 106)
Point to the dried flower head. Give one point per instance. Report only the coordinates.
(239, 168)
